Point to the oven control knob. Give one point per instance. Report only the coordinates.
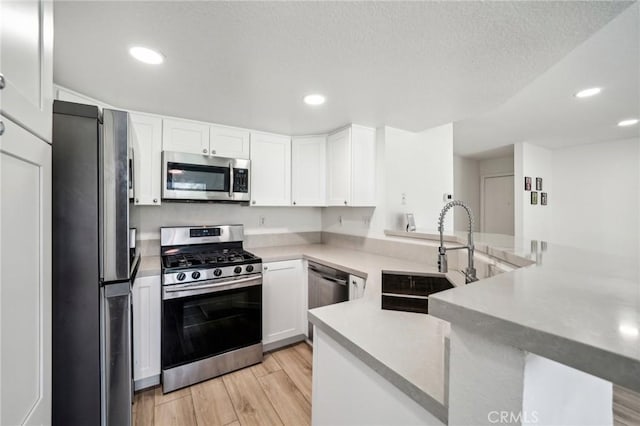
(195, 275)
(181, 276)
(249, 268)
(217, 272)
(237, 269)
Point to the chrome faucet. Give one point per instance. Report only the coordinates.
(470, 272)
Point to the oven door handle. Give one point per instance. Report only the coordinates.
(186, 290)
(231, 180)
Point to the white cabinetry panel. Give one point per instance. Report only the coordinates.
(146, 139)
(282, 300)
(309, 171)
(25, 280)
(185, 136)
(146, 327)
(270, 170)
(339, 168)
(351, 167)
(26, 61)
(229, 142)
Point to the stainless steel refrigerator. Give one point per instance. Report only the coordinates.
(93, 266)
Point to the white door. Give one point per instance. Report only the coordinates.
(146, 329)
(25, 278)
(146, 139)
(229, 142)
(339, 168)
(185, 136)
(270, 170)
(282, 289)
(498, 211)
(309, 171)
(26, 62)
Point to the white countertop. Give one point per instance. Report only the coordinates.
(577, 307)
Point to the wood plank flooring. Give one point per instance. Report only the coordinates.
(276, 392)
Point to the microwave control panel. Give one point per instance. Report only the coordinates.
(241, 180)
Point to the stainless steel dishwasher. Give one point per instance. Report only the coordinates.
(326, 287)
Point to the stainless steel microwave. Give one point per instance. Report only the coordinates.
(195, 177)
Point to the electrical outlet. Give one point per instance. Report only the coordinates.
(340, 220)
(261, 221)
(446, 197)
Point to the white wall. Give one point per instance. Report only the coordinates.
(492, 166)
(276, 219)
(596, 197)
(532, 221)
(466, 180)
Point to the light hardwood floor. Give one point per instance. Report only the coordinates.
(276, 392)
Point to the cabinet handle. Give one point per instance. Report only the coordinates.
(213, 151)
(137, 201)
(2, 83)
(294, 203)
(266, 268)
(1, 128)
(345, 202)
(204, 151)
(155, 200)
(253, 202)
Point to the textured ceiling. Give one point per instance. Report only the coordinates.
(546, 113)
(411, 65)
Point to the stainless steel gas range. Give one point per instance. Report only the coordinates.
(211, 304)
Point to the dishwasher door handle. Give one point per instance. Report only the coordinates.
(328, 278)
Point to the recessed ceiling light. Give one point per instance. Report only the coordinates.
(314, 99)
(628, 122)
(146, 55)
(586, 93)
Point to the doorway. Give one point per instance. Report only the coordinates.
(497, 204)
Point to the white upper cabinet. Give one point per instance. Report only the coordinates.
(146, 139)
(351, 167)
(339, 168)
(26, 64)
(309, 171)
(270, 169)
(229, 142)
(185, 136)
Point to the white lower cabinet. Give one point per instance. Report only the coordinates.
(146, 331)
(283, 300)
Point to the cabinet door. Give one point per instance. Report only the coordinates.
(25, 277)
(339, 168)
(229, 142)
(146, 328)
(26, 61)
(282, 291)
(363, 166)
(146, 140)
(185, 136)
(309, 171)
(356, 287)
(270, 170)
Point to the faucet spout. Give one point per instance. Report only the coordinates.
(470, 272)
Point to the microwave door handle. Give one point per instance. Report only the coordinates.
(231, 181)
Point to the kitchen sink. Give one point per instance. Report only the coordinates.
(409, 292)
